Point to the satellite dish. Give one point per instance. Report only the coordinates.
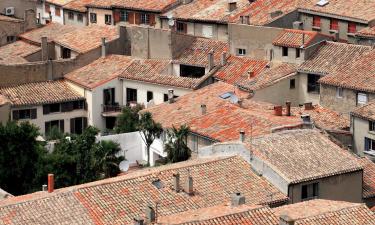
(124, 165)
(171, 22)
(170, 16)
(234, 99)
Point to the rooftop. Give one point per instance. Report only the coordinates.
(59, 2)
(319, 211)
(366, 112)
(39, 93)
(364, 10)
(118, 200)
(368, 32)
(10, 19)
(332, 56)
(150, 5)
(206, 11)
(16, 52)
(308, 150)
(78, 5)
(295, 38)
(51, 31)
(368, 177)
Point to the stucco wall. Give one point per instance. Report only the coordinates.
(305, 96)
(100, 15)
(360, 130)
(75, 21)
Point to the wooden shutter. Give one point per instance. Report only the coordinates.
(33, 113)
(137, 17)
(16, 114)
(72, 128)
(45, 109)
(116, 17)
(62, 126)
(152, 19)
(131, 17)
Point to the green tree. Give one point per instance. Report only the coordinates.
(150, 130)
(128, 119)
(20, 155)
(106, 157)
(176, 145)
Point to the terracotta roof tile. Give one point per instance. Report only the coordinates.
(197, 53)
(51, 31)
(78, 5)
(16, 52)
(332, 56)
(295, 154)
(59, 2)
(365, 112)
(40, 93)
(237, 69)
(368, 177)
(368, 32)
(295, 38)
(149, 5)
(10, 19)
(319, 211)
(118, 200)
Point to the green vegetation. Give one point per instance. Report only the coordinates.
(176, 145)
(128, 120)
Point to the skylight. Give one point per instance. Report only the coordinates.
(322, 3)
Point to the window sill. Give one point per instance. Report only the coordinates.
(371, 152)
(371, 132)
(316, 28)
(351, 34)
(333, 31)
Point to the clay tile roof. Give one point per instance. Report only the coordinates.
(118, 200)
(364, 10)
(269, 76)
(59, 2)
(51, 31)
(295, 38)
(16, 52)
(368, 177)
(224, 215)
(368, 32)
(10, 19)
(309, 150)
(40, 93)
(263, 12)
(149, 5)
(100, 71)
(331, 56)
(237, 69)
(223, 119)
(78, 5)
(366, 112)
(358, 76)
(319, 211)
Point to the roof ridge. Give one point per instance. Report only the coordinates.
(355, 205)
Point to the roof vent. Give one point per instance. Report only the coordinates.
(158, 184)
(286, 220)
(226, 95)
(322, 3)
(237, 199)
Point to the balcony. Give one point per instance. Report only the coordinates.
(112, 110)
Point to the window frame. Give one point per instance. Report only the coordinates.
(150, 94)
(57, 11)
(298, 53)
(124, 16)
(363, 95)
(371, 125)
(93, 18)
(315, 86)
(70, 15)
(285, 51)
(131, 95)
(352, 27)
(79, 17)
(241, 51)
(108, 19)
(144, 18)
(369, 145)
(316, 21)
(339, 92)
(311, 191)
(334, 24)
(292, 83)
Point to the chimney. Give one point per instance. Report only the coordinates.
(211, 60)
(286, 220)
(44, 187)
(150, 214)
(303, 39)
(189, 186)
(170, 95)
(242, 135)
(237, 199)
(223, 60)
(288, 104)
(104, 47)
(232, 6)
(44, 45)
(278, 110)
(176, 182)
(138, 221)
(203, 109)
(51, 183)
(309, 106)
(250, 74)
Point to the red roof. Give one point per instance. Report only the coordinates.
(149, 5)
(295, 38)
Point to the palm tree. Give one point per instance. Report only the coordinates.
(106, 160)
(176, 146)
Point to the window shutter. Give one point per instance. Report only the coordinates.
(84, 122)
(185, 28)
(367, 144)
(116, 17)
(16, 114)
(45, 109)
(72, 128)
(62, 126)
(33, 113)
(152, 19)
(137, 18)
(131, 17)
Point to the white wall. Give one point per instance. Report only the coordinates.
(100, 15)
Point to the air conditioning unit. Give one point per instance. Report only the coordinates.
(9, 11)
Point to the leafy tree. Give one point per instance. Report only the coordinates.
(54, 134)
(20, 154)
(150, 130)
(128, 120)
(176, 145)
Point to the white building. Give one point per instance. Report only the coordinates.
(51, 11)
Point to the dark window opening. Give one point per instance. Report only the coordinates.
(109, 97)
(131, 95)
(191, 71)
(241, 51)
(145, 18)
(80, 17)
(181, 27)
(71, 15)
(298, 52)
(312, 83)
(110, 122)
(371, 125)
(65, 53)
(150, 96)
(93, 17)
(124, 16)
(310, 191)
(285, 51)
(108, 19)
(165, 97)
(79, 104)
(24, 114)
(292, 84)
(77, 125)
(59, 124)
(54, 108)
(11, 39)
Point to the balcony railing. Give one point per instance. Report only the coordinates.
(111, 108)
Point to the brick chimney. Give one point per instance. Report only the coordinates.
(223, 60)
(170, 95)
(250, 74)
(203, 109)
(242, 135)
(278, 110)
(44, 46)
(237, 199)
(51, 183)
(104, 47)
(288, 104)
(176, 182)
(211, 60)
(189, 186)
(150, 214)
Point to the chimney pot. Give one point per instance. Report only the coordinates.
(204, 109)
(288, 104)
(51, 183)
(44, 187)
(44, 46)
(176, 182)
(104, 47)
(170, 95)
(211, 60)
(309, 106)
(237, 199)
(242, 135)
(278, 110)
(189, 186)
(150, 214)
(223, 58)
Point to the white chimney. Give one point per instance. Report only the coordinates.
(104, 47)
(189, 186)
(170, 95)
(176, 182)
(211, 60)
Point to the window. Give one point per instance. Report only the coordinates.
(54, 108)
(65, 53)
(181, 27)
(71, 15)
(369, 145)
(93, 17)
(316, 21)
(109, 97)
(312, 83)
(339, 92)
(131, 95)
(292, 84)
(334, 25)
(11, 39)
(80, 17)
(57, 11)
(310, 191)
(298, 53)
(59, 124)
(165, 97)
(77, 125)
(352, 27)
(145, 18)
(24, 114)
(47, 8)
(108, 19)
(78, 105)
(361, 98)
(192, 71)
(124, 16)
(150, 96)
(371, 125)
(285, 51)
(207, 31)
(241, 51)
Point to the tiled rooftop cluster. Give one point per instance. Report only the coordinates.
(152, 5)
(16, 52)
(295, 38)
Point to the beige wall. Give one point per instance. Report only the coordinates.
(305, 96)
(292, 55)
(4, 113)
(75, 21)
(100, 15)
(360, 130)
(344, 187)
